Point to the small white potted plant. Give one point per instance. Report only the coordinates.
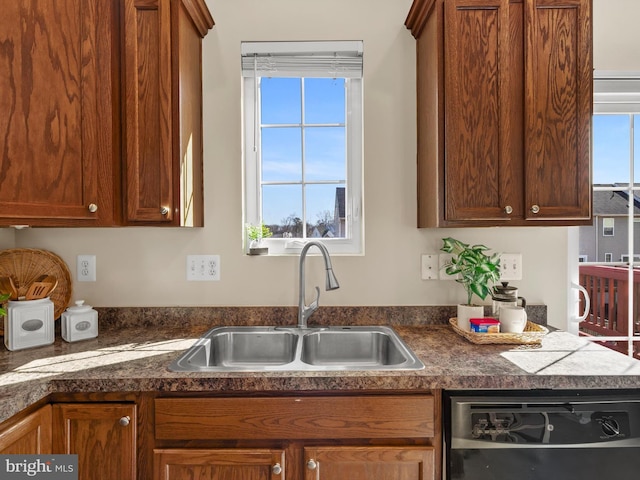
(255, 235)
(476, 271)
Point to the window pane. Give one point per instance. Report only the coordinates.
(282, 210)
(611, 149)
(324, 100)
(280, 100)
(324, 153)
(281, 154)
(325, 211)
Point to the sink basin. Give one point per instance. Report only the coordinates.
(240, 347)
(246, 349)
(357, 348)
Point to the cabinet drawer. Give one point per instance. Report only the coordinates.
(295, 417)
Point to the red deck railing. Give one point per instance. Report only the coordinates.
(608, 289)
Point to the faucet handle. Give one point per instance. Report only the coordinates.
(313, 306)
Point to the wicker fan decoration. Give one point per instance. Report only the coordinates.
(26, 265)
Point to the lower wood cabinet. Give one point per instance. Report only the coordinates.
(363, 437)
(103, 435)
(365, 463)
(29, 435)
(142, 436)
(227, 464)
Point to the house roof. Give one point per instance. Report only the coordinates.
(613, 203)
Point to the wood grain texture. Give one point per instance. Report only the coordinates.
(31, 435)
(148, 107)
(477, 88)
(295, 417)
(365, 463)
(212, 464)
(494, 130)
(558, 98)
(106, 450)
(56, 104)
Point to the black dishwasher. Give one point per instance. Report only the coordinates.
(542, 435)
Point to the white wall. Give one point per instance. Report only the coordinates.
(146, 266)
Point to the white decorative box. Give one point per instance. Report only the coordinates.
(29, 323)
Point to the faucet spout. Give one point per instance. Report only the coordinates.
(304, 311)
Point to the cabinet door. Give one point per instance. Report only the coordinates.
(483, 166)
(103, 435)
(56, 126)
(31, 435)
(366, 463)
(231, 464)
(558, 107)
(148, 123)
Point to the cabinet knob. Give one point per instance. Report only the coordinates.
(312, 465)
(508, 209)
(93, 208)
(164, 210)
(535, 209)
(124, 421)
(276, 469)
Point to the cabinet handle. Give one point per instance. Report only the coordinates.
(93, 208)
(312, 465)
(164, 210)
(124, 421)
(535, 209)
(276, 469)
(508, 209)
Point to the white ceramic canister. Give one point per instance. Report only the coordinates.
(29, 323)
(79, 322)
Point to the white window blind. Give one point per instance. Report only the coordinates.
(315, 59)
(616, 92)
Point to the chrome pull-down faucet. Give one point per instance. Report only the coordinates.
(304, 311)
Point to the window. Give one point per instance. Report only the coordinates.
(612, 282)
(302, 108)
(607, 228)
(583, 258)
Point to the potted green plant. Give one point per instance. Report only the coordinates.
(255, 235)
(3, 298)
(475, 270)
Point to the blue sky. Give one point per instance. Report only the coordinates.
(281, 105)
(611, 148)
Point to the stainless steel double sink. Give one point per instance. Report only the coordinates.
(268, 348)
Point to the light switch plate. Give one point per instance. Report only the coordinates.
(429, 266)
(510, 266)
(203, 268)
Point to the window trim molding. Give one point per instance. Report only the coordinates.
(353, 243)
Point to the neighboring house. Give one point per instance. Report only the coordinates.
(606, 239)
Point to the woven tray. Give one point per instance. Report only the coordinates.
(532, 335)
(24, 265)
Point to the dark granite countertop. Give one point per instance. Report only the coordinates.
(135, 359)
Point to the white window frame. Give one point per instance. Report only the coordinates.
(353, 242)
(608, 257)
(616, 93)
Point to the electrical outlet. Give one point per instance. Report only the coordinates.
(203, 268)
(86, 268)
(510, 266)
(429, 266)
(444, 259)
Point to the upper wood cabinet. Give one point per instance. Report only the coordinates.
(57, 111)
(162, 105)
(102, 112)
(504, 92)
